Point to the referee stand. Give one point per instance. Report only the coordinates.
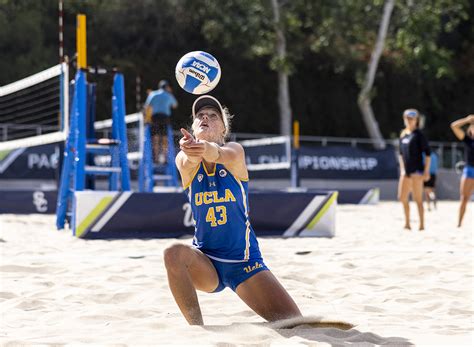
(150, 173)
(78, 170)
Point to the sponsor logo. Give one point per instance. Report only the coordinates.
(200, 66)
(249, 268)
(197, 74)
(200, 177)
(188, 220)
(212, 184)
(40, 202)
(222, 173)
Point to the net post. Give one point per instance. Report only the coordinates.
(64, 97)
(81, 42)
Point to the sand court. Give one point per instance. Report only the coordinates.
(395, 286)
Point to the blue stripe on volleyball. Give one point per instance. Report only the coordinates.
(188, 61)
(212, 74)
(207, 55)
(191, 83)
(213, 71)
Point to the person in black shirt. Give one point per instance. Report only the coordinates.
(413, 170)
(467, 181)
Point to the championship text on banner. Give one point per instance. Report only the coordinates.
(328, 162)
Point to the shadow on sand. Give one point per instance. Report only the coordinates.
(335, 333)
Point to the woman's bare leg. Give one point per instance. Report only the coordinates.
(404, 187)
(189, 269)
(267, 297)
(466, 188)
(417, 188)
(428, 192)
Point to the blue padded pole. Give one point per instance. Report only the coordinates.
(145, 161)
(149, 170)
(115, 150)
(80, 114)
(67, 168)
(91, 92)
(90, 133)
(119, 118)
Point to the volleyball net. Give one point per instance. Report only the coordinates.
(33, 110)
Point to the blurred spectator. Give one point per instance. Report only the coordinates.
(467, 181)
(412, 169)
(158, 106)
(430, 185)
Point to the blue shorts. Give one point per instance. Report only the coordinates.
(233, 274)
(468, 171)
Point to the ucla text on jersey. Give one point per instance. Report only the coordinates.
(219, 203)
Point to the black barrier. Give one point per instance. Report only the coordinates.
(329, 162)
(28, 201)
(158, 215)
(169, 214)
(40, 162)
(44, 202)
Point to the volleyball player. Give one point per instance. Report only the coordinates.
(225, 251)
(413, 170)
(467, 180)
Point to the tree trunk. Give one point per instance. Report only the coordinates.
(364, 98)
(283, 87)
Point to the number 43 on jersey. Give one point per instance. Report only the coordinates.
(216, 215)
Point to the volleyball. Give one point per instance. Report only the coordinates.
(198, 72)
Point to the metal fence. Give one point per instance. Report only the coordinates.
(11, 131)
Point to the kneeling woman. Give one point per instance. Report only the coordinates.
(225, 250)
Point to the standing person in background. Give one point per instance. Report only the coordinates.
(412, 170)
(430, 185)
(158, 106)
(467, 181)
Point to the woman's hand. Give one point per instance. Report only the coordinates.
(197, 149)
(187, 139)
(426, 176)
(191, 147)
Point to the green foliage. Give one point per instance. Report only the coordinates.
(428, 61)
(416, 30)
(25, 47)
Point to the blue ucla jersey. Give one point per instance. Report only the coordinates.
(219, 204)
